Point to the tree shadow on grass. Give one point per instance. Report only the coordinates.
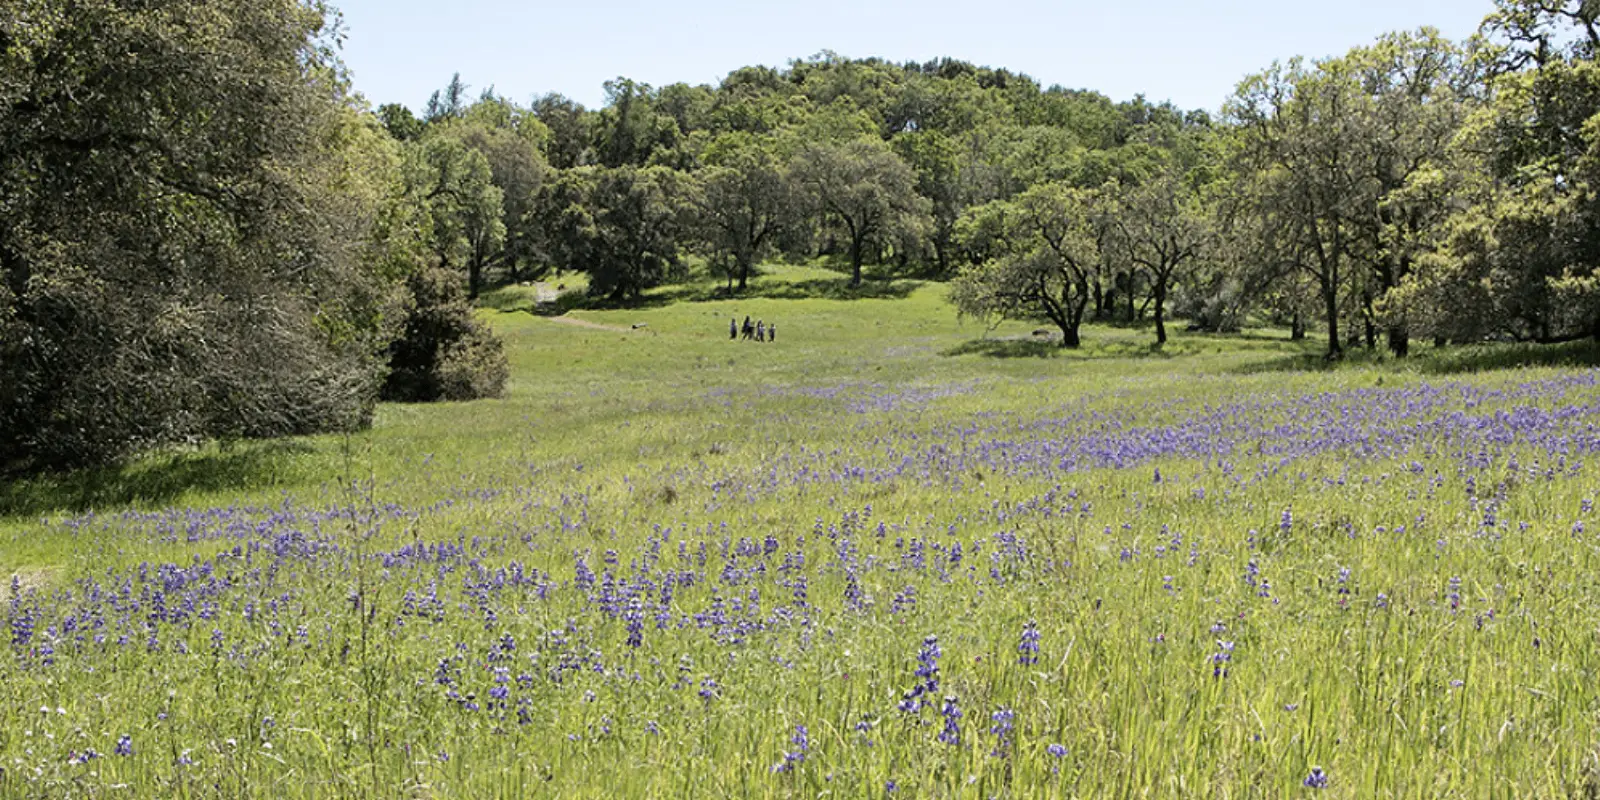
(154, 479)
(818, 289)
(813, 289)
(1453, 360)
(509, 299)
(1483, 358)
(1049, 347)
(1007, 348)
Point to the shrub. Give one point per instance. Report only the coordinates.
(444, 354)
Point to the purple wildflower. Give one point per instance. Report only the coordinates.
(802, 743)
(1028, 648)
(951, 734)
(1002, 728)
(1221, 659)
(927, 674)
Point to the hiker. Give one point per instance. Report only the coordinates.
(733, 328)
(749, 330)
(761, 331)
(772, 332)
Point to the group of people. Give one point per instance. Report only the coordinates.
(760, 331)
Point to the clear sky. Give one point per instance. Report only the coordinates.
(1188, 51)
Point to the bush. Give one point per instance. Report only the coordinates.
(444, 354)
(187, 229)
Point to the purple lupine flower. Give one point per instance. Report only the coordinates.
(635, 620)
(916, 698)
(802, 743)
(1002, 729)
(864, 727)
(951, 734)
(905, 600)
(1028, 648)
(1221, 659)
(1317, 779)
(1057, 752)
(124, 745)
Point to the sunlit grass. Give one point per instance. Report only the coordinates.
(776, 528)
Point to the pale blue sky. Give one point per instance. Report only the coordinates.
(1192, 53)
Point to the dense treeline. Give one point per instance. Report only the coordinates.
(1412, 187)
(869, 161)
(236, 245)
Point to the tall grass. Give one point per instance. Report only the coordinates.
(666, 553)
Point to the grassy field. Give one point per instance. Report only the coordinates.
(889, 554)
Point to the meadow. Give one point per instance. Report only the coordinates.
(892, 553)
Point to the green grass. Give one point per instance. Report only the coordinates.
(873, 406)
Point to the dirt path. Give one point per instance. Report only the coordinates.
(583, 323)
(545, 297)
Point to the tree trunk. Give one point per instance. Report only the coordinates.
(1297, 328)
(1399, 341)
(744, 273)
(474, 278)
(1069, 335)
(1367, 317)
(1161, 316)
(1330, 301)
(855, 262)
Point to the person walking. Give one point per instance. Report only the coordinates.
(772, 332)
(761, 331)
(733, 328)
(749, 330)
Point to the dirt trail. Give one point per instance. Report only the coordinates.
(583, 323)
(545, 297)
